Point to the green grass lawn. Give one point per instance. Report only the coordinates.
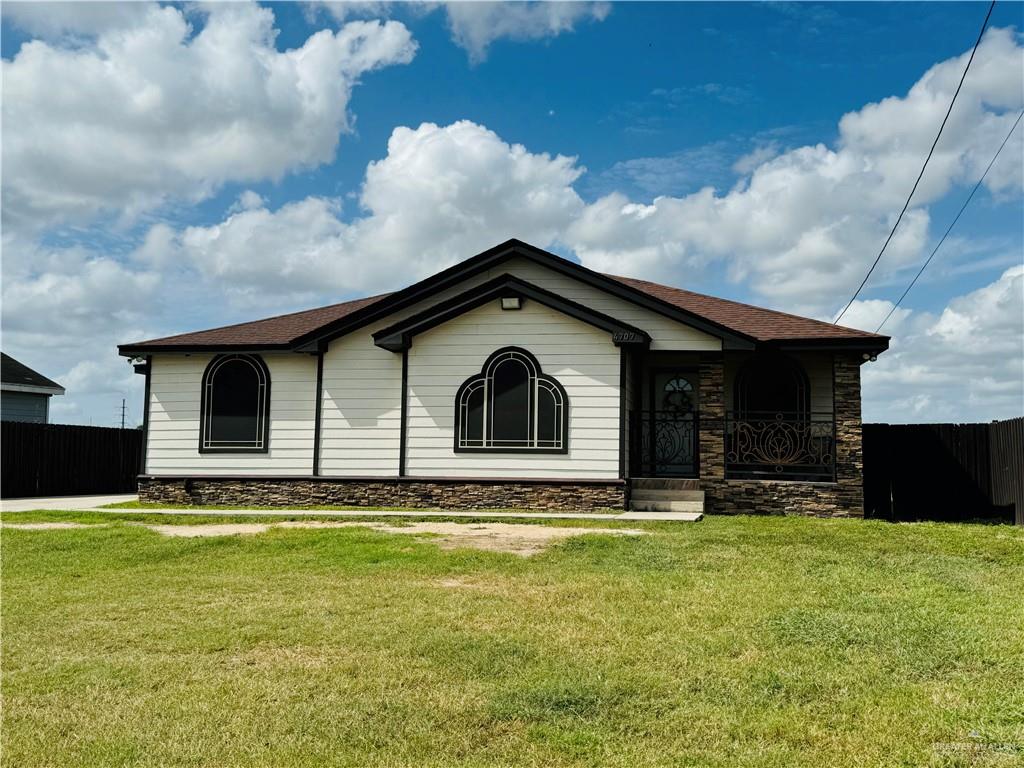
(734, 641)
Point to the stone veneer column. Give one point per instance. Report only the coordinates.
(849, 447)
(711, 426)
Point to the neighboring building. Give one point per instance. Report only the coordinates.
(24, 393)
(513, 379)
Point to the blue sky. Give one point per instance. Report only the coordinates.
(647, 102)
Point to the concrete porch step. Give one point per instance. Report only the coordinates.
(646, 505)
(665, 494)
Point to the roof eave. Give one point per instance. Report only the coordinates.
(874, 346)
(142, 348)
(34, 389)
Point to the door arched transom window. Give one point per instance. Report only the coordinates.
(235, 410)
(677, 395)
(511, 406)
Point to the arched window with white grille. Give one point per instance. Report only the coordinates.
(511, 406)
(235, 408)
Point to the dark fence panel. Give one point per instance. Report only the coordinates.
(63, 460)
(941, 471)
(1006, 446)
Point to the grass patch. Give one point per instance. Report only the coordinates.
(735, 641)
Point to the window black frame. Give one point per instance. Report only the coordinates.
(550, 381)
(211, 367)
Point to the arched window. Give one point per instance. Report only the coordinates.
(677, 395)
(512, 407)
(772, 385)
(235, 411)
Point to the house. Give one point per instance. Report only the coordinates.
(515, 378)
(25, 394)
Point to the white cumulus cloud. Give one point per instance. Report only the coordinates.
(151, 109)
(868, 314)
(475, 25)
(440, 194)
(966, 364)
(73, 18)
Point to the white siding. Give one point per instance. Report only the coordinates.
(581, 357)
(172, 447)
(819, 375)
(361, 425)
(665, 334)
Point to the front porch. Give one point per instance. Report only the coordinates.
(765, 431)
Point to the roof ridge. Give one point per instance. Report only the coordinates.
(743, 304)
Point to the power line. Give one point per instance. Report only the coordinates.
(930, 152)
(952, 223)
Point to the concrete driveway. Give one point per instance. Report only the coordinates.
(64, 502)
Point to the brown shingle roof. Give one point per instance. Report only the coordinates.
(746, 320)
(757, 322)
(279, 330)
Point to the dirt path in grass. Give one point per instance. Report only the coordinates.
(523, 540)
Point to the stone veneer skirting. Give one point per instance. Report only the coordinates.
(781, 497)
(419, 493)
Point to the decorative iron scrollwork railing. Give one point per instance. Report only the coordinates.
(663, 443)
(783, 446)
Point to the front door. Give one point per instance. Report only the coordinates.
(667, 439)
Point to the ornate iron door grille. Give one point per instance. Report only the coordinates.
(780, 446)
(664, 444)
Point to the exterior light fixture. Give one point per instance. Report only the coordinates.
(511, 302)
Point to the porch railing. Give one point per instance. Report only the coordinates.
(780, 446)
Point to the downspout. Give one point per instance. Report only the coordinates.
(319, 412)
(403, 428)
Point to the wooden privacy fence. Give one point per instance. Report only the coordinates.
(944, 471)
(62, 460)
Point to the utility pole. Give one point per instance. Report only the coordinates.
(122, 413)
